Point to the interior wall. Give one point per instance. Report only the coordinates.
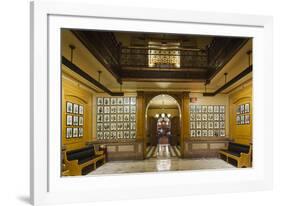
(240, 133)
(74, 92)
(219, 99)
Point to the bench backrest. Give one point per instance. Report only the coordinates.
(80, 153)
(235, 147)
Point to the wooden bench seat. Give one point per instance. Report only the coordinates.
(83, 160)
(238, 152)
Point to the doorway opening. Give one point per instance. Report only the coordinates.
(163, 117)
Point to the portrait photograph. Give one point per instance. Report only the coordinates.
(68, 132)
(68, 120)
(69, 107)
(75, 108)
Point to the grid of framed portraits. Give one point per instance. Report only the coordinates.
(116, 118)
(74, 120)
(243, 114)
(207, 120)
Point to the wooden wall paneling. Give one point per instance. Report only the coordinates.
(185, 121)
(240, 133)
(72, 92)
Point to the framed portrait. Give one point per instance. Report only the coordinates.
(238, 119)
(120, 101)
(99, 118)
(113, 135)
(81, 109)
(49, 18)
(106, 135)
(120, 117)
(242, 108)
(210, 133)
(119, 126)
(210, 109)
(210, 117)
(120, 109)
(204, 117)
(126, 100)
(75, 120)
(99, 127)
(120, 134)
(204, 125)
(133, 134)
(68, 120)
(113, 109)
(126, 117)
(132, 117)
(99, 109)
(221, 117)
(204, 109)
(133, 126)
(192, 117)
(126, 109)
(192, 108)
(69, 108)
(247, 108)
(99, 101)
(216, 125)
(193, 133)
(222, 108)
(216, 133)
(106, 109)
(216, 109)
(106, 118)
(198, 125)
(238, 109)
(75, 132)
(198, 117)
(113, 118)
(204, 133)
(222, 125)
(106, 101)
(198, 108)
(216, 117)
(126, 134)
(100, 135)
(75, 108)
(68, 132)
(198, 133)
(210, 125)
(222, 132)
(133, 109)
(81, 132)
(247, 119)
(113, 101)
(242, 119)
(106, 127)
(113, 126)
(126, 126)
(192, 125)
(81, 121)
(133, 100)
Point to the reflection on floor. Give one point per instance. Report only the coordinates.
(163, 158)
(162, 151)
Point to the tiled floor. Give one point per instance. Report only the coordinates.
(162, 161)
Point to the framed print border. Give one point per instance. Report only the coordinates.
(47, 186)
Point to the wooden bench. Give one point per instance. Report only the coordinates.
(82, 161)
(238, 152)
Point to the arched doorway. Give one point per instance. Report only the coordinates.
(163, 127)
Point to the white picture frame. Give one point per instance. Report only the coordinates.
(46, 184)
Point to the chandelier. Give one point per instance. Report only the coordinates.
(163, 116)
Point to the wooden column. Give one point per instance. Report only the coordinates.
(185, 121)
(140, 133)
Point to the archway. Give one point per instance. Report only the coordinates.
(162, 125)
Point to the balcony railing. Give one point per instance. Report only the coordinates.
(159, 58)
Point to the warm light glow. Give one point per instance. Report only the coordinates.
(168, 115)
(163, 115)
(157, 115)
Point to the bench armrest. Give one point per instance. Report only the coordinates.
(99, 152)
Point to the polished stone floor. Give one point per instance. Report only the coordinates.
(161, 162)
